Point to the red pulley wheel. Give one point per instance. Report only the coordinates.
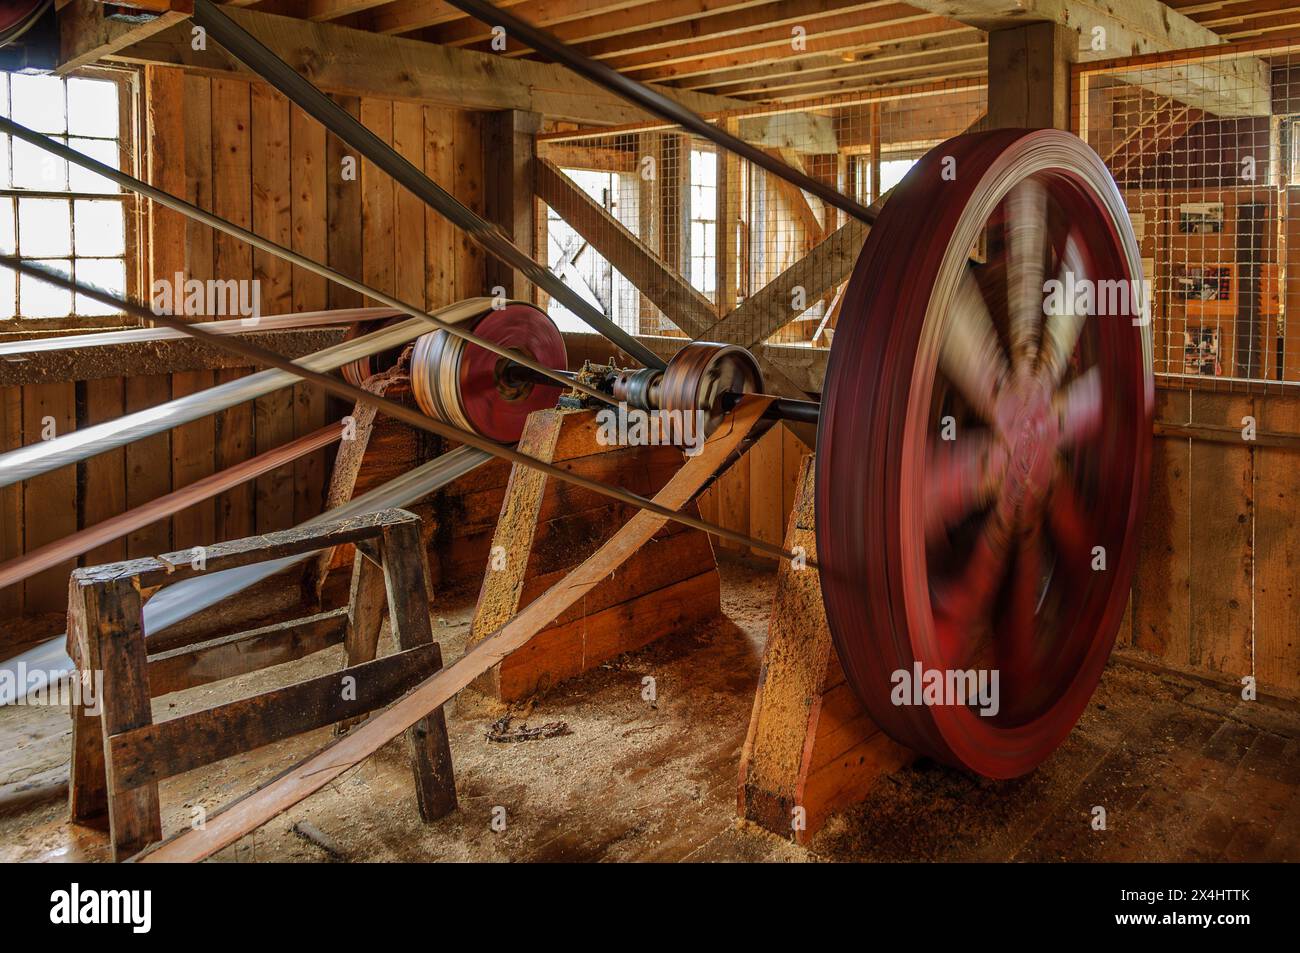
(984, 447)
(470, 387)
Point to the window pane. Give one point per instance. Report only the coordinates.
(4, 162)
(38, 102)
(34, 168)
(43, 300)
(99, 227)
(44, 228)
(6, 227)
(92, 107)
(7, 288)
(106, 273)
(102, 150)
(4, 94)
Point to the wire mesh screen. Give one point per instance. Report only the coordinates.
(1204, 147)
(669, 235)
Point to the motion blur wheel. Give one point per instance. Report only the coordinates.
(984, 447)
(472, 388)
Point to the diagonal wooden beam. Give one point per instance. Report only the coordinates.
(828, 265)
(795, 198)
(684, 306)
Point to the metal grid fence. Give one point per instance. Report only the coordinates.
(669, 235)
(1204, 146)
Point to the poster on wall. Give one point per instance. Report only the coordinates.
(1201, 352)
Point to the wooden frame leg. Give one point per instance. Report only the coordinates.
(113, 612)
(87, 781)
(405, 576)
(366, 606)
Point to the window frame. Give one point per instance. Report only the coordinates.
(133, 210)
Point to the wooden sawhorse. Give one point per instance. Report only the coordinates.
(120, 754)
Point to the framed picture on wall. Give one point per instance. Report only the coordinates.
(1201, 351)
(1200, 218)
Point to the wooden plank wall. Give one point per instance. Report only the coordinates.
(756, 495)
(240, 149)
(1218, 584)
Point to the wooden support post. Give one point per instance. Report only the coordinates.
(407, 583)
(648, 218)
(87, 782)
(509, 138)
(875, 152)
(728, 219)
(547, 527)
(673, 170)
(1029, 76)
(811, 748)
(112, 613)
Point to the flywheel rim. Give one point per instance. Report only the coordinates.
(874, 447)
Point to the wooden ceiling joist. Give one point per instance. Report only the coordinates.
(834, 34)
(782, 75)
(599, 40)
(544, 13)
(865, 83)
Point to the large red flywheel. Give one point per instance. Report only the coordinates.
(984, 448)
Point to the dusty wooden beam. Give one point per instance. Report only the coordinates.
(354, 62)
(1105, 30)
(687, 308)
(818, 273)
(86, 35)
(189, 666)
(247, 814)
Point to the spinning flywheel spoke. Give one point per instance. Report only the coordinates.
(983, 447)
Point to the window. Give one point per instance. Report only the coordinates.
(581, 267)
(57, 213)
(703, 259)
(891, 173)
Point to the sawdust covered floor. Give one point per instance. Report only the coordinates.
(1184, 772)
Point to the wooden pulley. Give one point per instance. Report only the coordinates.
(474, 389)
(701, 375)
(984, 447)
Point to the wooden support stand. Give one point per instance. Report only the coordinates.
(811, 748)
(547, 527)
(120, 754)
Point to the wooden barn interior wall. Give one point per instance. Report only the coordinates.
(238, 148)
